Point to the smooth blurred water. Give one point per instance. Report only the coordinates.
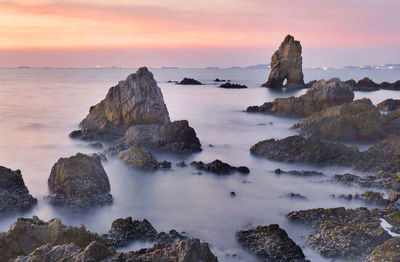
(39, 107)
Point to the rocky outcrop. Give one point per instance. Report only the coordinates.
(389, 104)
(189, 81)
(220, 168)
(323, 94)
(14, 195)
(232, 86)
(388, 251)
(366, 84)
(359, 120)
(138, 157)
(271, 243)
(79, 182)
(174, 136)
(25, 235)
(345, 233)
(126, 231)
(390, 86)
(286, 63)
(136, 101)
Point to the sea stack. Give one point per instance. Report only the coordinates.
(286, 63)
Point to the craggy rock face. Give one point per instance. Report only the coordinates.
(79, 181)
(175, 136)
(286, 63)
(359, 120)
(389, 104)
(388, 251)
(323, 94)
(345, 233)
(14, 196)
(271, 243)
(138, 157)
(136, 101)
(26, 235)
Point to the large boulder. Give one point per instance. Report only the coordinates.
(14, 195)
(271, 243)
(366, 84)
(359, 120)
(286, 63)
(173, 136)
(323, 94)
(389, 104)
(25, 235)
(79, 182)
(138, 157)
(136, 101)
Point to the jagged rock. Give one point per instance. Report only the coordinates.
(345, 233)
(271, 243)
(14, 195)
(389, 104)
(126, 231)
(323, 94)
(138, 157)
(369, 197)
(25, 235)
(221, 80)
(174, 136)
(391, 122)
(298, 173)
(388, 251)
(286, 63)
(300, 149)
(79, 182)
(136, 101)
(181, 164)
(164, 164)
(219, 167)
(359, 120)
(232, 86)
(189, 81)
(366, 84)
(297, 196)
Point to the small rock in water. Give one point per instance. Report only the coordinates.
(298, 173)
(138, 157)
(232, 86)
(181, 164)
(233, 194)
(164, 164)
(295, 195)
(189, 81)
(219, 167)
(210, 145)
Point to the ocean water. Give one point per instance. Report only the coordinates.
(39, 108)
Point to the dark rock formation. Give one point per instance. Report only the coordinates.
(138, 157)
(388, 251)
(125, 231)
(181, 164)
(79, 182)
(345, 233)
(75, 134)
(369, 197)
(136, 101)
(296, 196)
(189, 81)
(351, 83)
(298, 173)
(165, 164)
(232, 86)
(219, 167)
(359, 120)
(323, 94)
(391, 86)
(174, 136)
(389, 104)
(271, 243)
(286, 63)
(14, 195)
(366, 84)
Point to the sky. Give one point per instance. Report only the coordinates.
(199, 33)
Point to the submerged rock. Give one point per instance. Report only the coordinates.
(286, 63)
(136, 101)
(232, 86)
(296, 196)
(389, 104)
(271, 243)
(359, 120)
(189, 81)
(219, 167)
(323, 94)
(79, 182)
(298, 173)
(366, 84)
(14, 195)
(138, 157)
(174, 136)
(126, 231)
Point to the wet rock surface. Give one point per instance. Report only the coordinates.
(388, 251)
(389, 104)
(359, 120)
(126, 231)
(298, 173)
(232, 86)
(270, 243)
(14, 195)
(344, 233)
(323, 94)
(220, 168)
(189, 81)
(79, 182)
(286, 63)
(369, 197)
(175, 136)
(138, 157)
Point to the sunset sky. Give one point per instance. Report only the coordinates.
(196, 33)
